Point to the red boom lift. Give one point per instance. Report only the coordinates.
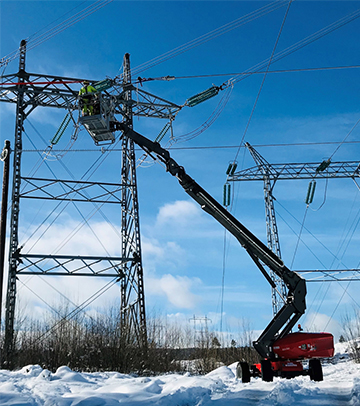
(281, 351)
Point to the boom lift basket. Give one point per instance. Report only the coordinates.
(99, 124)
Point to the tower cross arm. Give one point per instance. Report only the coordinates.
(348, 169)
(39, 89)
(146, 104)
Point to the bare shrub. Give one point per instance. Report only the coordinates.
(351, 333)
(97, 343)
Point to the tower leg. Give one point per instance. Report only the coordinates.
(133, 322)
(5, 189)
(9, 344)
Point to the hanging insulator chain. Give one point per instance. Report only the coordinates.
(103, 84)
(310, 192)
(231, 168)
(163, 132)
(323, 166)
(227, 195)
(201, 97)
(61, 129)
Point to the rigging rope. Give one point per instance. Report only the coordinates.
(78, 309)
(309, 232)
(24, 284)
(258, 72)
(101, 158)
(301, 44)
(223, 280)
(263, 80)
(209, 36)
(325, 195)
(335, 257)
(215, 114)
(301, 144)
(338, 303)
(345, 290)
(353, 128)
(36, 40)
(299, 237)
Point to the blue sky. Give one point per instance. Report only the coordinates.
(300, 116)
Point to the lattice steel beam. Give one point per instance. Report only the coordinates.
(71, 190)
(331, 275)
(70, 265)
(56, 91)
(349, 169)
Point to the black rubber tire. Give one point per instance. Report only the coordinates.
(267, 374)
(243, 372)
(315, 370)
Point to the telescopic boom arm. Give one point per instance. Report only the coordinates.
(294, 306)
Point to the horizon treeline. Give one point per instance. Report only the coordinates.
(94, 343)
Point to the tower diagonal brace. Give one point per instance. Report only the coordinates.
(279, 292)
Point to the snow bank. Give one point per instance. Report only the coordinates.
(33, 385)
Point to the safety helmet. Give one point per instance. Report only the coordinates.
(86, 82)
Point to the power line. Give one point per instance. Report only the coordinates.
(85, 221)
(275, 145)
(342, 142)
(309, 232)
(335, 256)
(302, 43)
(213, 117)
(209, 36)
(299, 237)
(263, 80)
(79, 308)
(257, 72)
(36, 40)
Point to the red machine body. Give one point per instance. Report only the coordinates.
(304, 346)
(285, 366)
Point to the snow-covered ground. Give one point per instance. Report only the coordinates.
(33, 385)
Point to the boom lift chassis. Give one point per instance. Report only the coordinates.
(281, 351)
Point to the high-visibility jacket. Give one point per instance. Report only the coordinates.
(87, 90)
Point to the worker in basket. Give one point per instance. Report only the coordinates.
(87, 99)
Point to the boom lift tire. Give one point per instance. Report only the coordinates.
(267, 374)
(315, 370)
(243, 372)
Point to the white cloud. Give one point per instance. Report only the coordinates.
(41, 115)
(34, 293)
(177, 290)
(184, 220)
(237, 294)
(318, 322)
(168, 254)
(180, 213)
(61, 239)
(8, 111)
(70, 238)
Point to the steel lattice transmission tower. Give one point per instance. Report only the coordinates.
(29, 91)
(270, 174)
(278, 293)
(132, 299)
